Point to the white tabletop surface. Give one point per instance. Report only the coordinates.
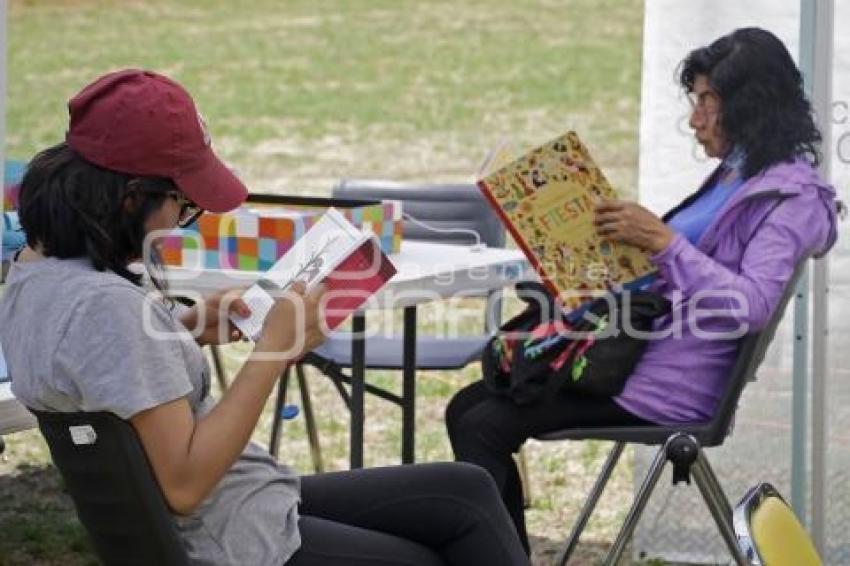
(426, 271)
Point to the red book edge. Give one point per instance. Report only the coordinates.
(348, 276)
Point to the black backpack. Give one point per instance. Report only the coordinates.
(541, 350)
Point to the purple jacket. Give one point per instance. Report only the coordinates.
(744, 259)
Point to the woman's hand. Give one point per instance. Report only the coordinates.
(295, 324)
(213, 313)
(630, 223)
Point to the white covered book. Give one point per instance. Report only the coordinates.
(349, 262)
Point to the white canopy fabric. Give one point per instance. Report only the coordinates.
(671, 165)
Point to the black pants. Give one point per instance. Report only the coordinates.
(486, 430)
(427, 514)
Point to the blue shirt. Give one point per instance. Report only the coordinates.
(692, 220)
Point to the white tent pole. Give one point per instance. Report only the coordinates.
(817, 31)
(821, 93)
(800, 399)
(800, 386)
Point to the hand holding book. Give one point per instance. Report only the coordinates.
(630, 223)
(294, 324)
(208, 319)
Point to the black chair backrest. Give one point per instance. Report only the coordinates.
(442, 206)
(751, 352)
(113, 488)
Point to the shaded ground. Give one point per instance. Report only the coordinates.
(37, 521)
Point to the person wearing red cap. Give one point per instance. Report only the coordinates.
(144, 124)
(137, 159)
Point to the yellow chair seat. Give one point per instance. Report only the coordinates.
(779, 537)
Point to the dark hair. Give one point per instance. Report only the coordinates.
(763, 106)
(71, 208)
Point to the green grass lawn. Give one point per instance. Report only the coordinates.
(299, 94)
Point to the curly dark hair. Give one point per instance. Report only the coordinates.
(71, 208)
(763, 105)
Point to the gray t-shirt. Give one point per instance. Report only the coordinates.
(76, 339)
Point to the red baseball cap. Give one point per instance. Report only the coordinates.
(142, 123)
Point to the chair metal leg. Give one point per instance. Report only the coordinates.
(592, 499)
(358, 389)
(332, 371)
(493, 311)
(220, 374)
(713, 484)
(274, 441)
(309, 420)
(641, 498)
(408, 388)
(522, 468)
(718, 504)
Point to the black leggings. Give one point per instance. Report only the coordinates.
(486, 430)
(427, 514)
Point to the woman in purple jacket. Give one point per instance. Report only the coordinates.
(730, 247)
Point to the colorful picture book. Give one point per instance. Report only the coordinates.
(546, 199)
(349, 261)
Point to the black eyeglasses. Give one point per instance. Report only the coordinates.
(189, 211)
(706, 102)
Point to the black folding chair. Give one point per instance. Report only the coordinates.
(680, 445)
(113, 488)
(444, 213)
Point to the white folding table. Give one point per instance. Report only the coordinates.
(426, 272)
